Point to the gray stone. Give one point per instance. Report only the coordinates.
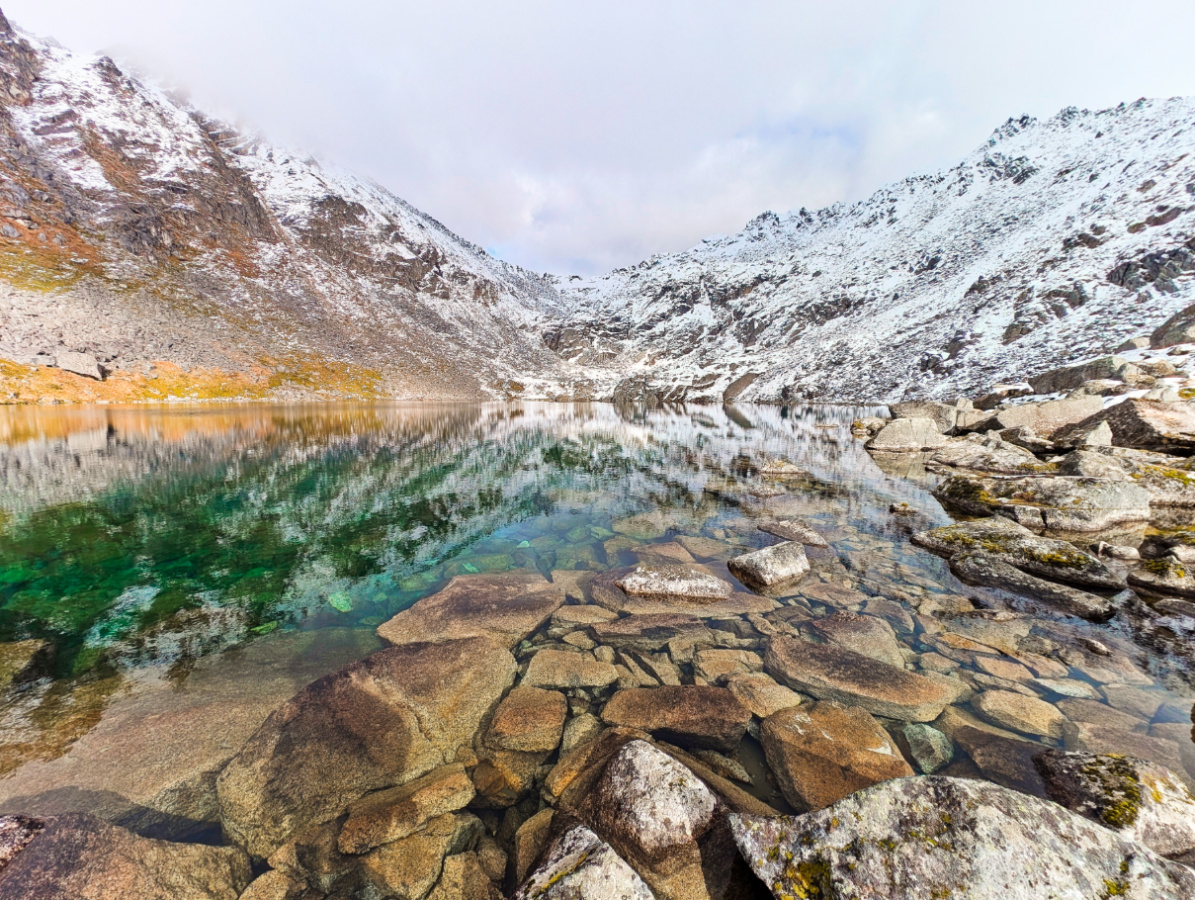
(981, 569)
(985, 454)
(861, 633)
(933, 836)
(771, 566)
(1084, 434)
(1047, 418)
(578, 865)
(1142, 801)
(929, 747)
(1005, 540)
(80, 364)
(674, 582)
(1066, 504)
(908, 435)
(795, 530)
(943, 415)
(1071, 377)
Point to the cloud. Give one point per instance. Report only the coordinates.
(578, 137)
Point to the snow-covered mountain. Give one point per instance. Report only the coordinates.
(194, 261)
(134, 229)
(1053, 241)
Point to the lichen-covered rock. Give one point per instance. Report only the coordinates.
(821, 752)
(578, 865)
(984, 454)
(981, 569)
(80, 857)
(690, 715)
(506, 608)
(908, 436)
(1003, 539)
(376, 723)
(1165, 575)
(1059, 503)
(852, 679)
(1143, 801)
(932, 837)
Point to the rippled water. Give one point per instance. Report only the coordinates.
(191, 568)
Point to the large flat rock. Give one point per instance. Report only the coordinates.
(690, 715)
(834, 673)
(821, 752)
(932, 837)
(1057, 503)
(1152, 425)
(376, 723)
(506, 608)
(1048, 417)
(908, 436)
(79, 857)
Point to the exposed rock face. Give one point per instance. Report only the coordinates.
(984, 454)
(506, 608)
(579, 864)
(852, 679)
(1178, 329)
(1058, 503)
(1014, 544)
(907, 435)
(821, 752)
(1140, 800)
(771, 566)
(79, 856)
(1070, 377)
(689, 715)
(376, 723)
(1166, 575)
(389, 815)
(411, 866)
(945, 837)
(944, 415)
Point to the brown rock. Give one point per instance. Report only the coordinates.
(651, 632)
(565, 669)
(1152, 425)
(274, 885)
(503, 777)
(412, 866)
(821, 752)
(528, 719)
(689, 715)
(20, 660)
(386, 816)
(1005, 759)
(378, 722)
(863, 634)
(761, 695)
(1020, 713)
(852, 679)
(530, 840)
(506, 608)
(80, 856)
(718, 666)
(463, 878)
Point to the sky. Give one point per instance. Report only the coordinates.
(577, 137)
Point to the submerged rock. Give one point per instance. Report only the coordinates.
(389, 815)
(506, 608)
(1020, 712)
(529, 719)
(1166, 575)
(1140, 800)
(690, 715)
(1016, 545)
(795, 530)
(852, 679)
(80, 856)
(771, 566)
(930, 749)
(376, 723)
(761, 694)
(578, 865)
(933, 837)
(821, 752)
(868, 635)
(666, 583)
(1060, 503)
(20, 661)
(566, 670)
(651, 631)
(981, 569)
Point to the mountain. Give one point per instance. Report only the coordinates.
(187, 258)
(192, 261)
(1053, 241)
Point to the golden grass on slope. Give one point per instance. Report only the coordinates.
(166, 382)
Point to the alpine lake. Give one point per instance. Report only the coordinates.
(169, 576)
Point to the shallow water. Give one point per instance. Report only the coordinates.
(192, 567)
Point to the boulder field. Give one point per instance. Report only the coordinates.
(758, 724)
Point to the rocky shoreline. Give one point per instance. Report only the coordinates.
(583, 737)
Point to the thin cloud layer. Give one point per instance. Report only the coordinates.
(576, 138)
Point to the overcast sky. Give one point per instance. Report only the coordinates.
(575, 137)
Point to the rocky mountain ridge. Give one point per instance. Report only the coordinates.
(189, 261)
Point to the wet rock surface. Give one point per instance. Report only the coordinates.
(689, 715)
(771, 566)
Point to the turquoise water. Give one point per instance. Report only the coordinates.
(147, 544)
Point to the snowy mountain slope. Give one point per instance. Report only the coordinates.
(134, 229)
(1043, 246)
